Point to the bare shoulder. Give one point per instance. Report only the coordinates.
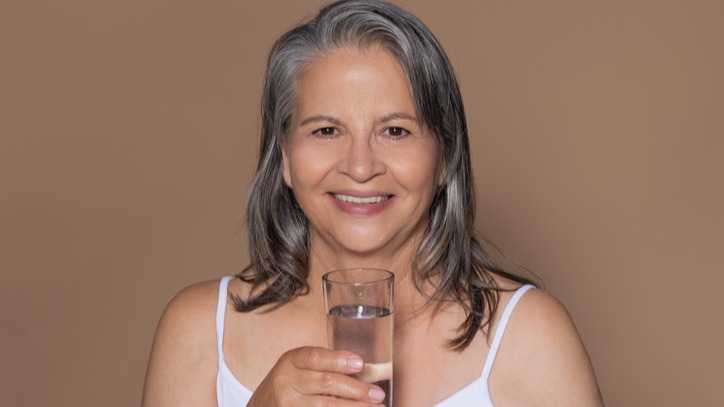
(191, 307)
(183, 363)
(542, 360)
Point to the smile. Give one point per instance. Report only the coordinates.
(360, 200)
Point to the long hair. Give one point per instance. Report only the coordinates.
(450, 255)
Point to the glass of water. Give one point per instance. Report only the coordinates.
(358, 303)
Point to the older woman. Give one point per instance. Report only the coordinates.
(364, 162)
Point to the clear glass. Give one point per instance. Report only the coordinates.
(359, 307)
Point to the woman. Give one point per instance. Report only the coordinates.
(365, 162)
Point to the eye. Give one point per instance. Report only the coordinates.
(325, 132)
(396, 132)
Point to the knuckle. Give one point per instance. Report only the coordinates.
(279, 381)
(328, 381)
(288, 354)
(327, 402)
(312, 357)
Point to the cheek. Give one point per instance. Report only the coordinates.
(420, 172)
(307, 166)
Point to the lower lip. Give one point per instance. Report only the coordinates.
(367, 209)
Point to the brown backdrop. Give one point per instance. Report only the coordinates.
(128, 133)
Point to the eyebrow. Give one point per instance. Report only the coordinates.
(321, 118)
(398, 116)
(337, 122)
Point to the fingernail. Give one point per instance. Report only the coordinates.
(355, 363)
(376, 393)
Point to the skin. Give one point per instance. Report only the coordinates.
(354, 133)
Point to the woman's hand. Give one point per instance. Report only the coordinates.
(313, 376)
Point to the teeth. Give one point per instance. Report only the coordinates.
(366, 200)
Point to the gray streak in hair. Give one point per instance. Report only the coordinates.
(449, 254)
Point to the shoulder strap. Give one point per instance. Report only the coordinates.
(221, 314)
(501, 330)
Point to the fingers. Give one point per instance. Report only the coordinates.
(329, 376)
(316, 377)
(321, 359)
(325, 401)
(340, 386)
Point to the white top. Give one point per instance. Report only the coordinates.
(231, 393)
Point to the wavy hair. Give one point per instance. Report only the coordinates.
(450, 256)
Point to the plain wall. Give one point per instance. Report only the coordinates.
(128, 132)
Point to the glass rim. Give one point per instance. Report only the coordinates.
(385, 275)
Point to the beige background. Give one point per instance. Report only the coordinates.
(128, 131)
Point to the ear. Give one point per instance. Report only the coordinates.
(286, 172)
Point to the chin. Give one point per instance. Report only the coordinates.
(382, 250)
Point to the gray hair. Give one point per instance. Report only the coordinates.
(277, 227)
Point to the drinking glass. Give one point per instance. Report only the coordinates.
(359, 308)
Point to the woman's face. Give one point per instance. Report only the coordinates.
(362, 169)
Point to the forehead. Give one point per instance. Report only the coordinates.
(348, 74)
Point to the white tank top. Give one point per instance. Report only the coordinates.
(231, 393)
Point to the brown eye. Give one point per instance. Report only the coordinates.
(325, 132)
(396, 131)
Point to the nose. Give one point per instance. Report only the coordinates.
(361, 161)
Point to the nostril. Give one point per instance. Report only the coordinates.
(361, 161)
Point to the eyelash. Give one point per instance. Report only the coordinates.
(319, 132)
(397, 136)
(323, 132)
